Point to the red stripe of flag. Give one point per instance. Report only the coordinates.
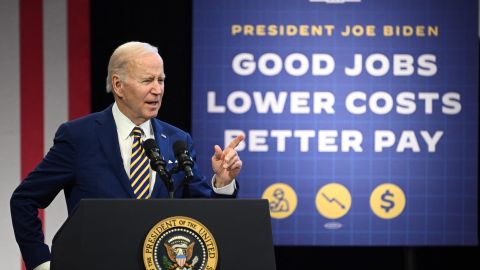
(31, 86)
(78, 16)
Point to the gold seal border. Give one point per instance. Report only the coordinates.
(176, 222)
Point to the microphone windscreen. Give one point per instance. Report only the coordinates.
(179, 147)
(150, 144)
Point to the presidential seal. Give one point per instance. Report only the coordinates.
(180, 243)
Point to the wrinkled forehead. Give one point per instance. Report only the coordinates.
(147, 64)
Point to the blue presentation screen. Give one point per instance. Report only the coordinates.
(360, 118)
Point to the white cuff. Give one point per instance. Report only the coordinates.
(43, 266)
(226, 190)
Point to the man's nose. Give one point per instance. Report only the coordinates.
(157, 88)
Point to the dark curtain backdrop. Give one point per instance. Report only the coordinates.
(164, 24)
(168, 25)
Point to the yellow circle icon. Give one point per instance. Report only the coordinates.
(282, 200)
(387, 201)
(333, 201)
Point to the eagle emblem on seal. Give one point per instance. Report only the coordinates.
(180, 252)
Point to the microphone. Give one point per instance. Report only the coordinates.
(185, 162)
(158, 163)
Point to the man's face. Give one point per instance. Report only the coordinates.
(141, 90)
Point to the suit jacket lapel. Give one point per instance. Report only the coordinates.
(107, 134)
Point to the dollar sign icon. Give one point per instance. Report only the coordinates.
(386, 199)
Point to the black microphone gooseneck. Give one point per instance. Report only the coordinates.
(185, 162)
(157, 163)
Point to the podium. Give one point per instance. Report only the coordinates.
(190, 233)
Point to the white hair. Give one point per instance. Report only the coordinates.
(122, 55)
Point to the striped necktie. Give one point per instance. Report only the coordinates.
(139, 167)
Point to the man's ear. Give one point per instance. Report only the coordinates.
(117, 85)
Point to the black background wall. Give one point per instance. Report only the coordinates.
(168, 25)
(164, 24)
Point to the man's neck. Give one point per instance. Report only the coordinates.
(123, 110)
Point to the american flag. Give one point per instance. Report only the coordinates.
(44, 81)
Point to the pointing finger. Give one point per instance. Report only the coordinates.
(236, 141)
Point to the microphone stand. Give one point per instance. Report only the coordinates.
(158, 165)
(175, 170)
(166, 176)
(167, 179)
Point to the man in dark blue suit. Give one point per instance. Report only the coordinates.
(98, 156)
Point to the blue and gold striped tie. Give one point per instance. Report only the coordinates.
(139, 167)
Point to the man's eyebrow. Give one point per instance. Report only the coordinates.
(150, 75)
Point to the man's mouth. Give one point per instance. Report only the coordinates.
(153, 103)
